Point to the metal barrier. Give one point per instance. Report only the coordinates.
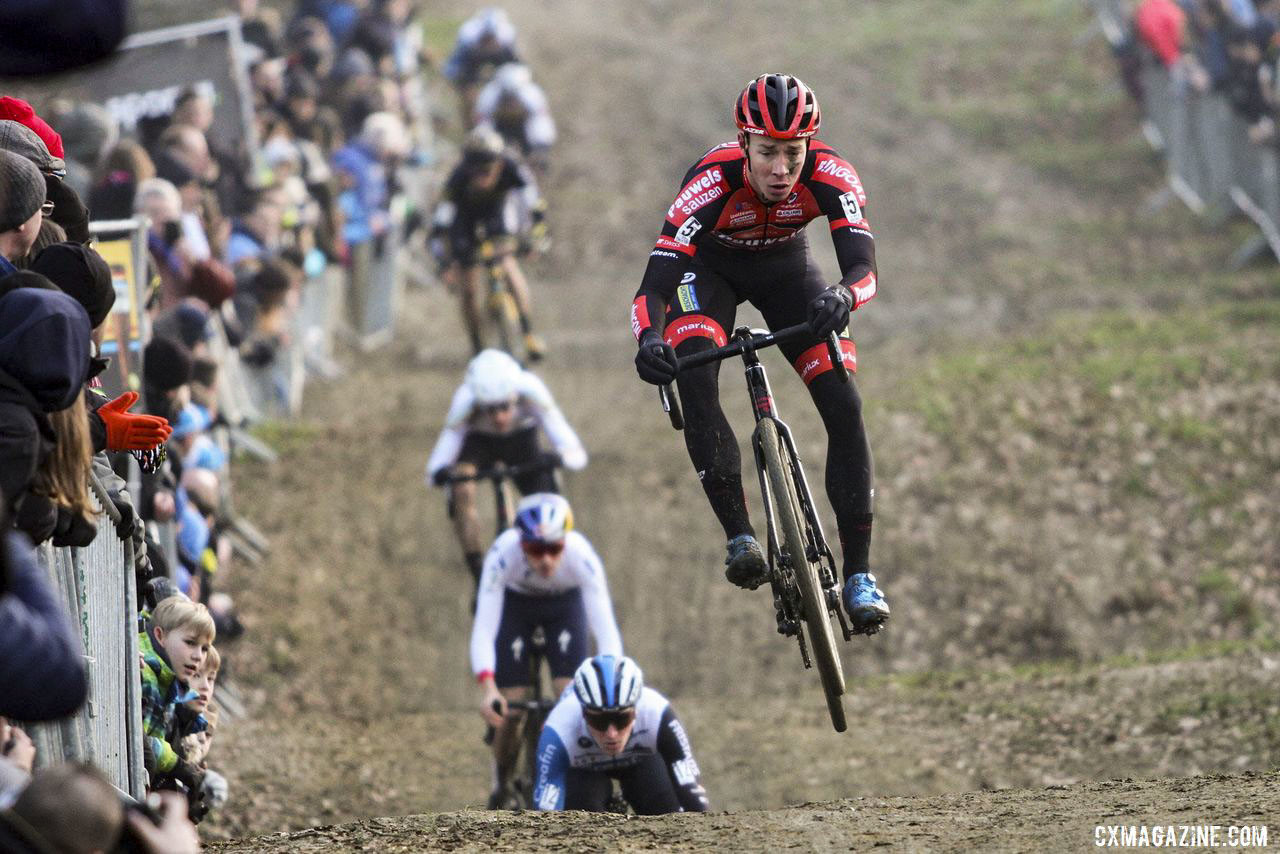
(97, 585)
(1212, 165)
(375, 283)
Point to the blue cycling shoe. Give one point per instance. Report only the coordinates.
(865, 603)
(745, 565)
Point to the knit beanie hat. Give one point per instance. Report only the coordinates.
(22, 190)
(81, 272)
(20, 139)
(20, 111)
(166, 364)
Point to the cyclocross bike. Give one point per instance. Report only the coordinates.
(499, 303)
(802, 570)
(502, 476)
(517, 793)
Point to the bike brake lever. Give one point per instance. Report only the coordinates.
(671, 406)
(837, 357)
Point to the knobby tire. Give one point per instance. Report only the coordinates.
(504, 314)
(822, 642)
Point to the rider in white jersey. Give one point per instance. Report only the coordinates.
(495, 416)
(611, 726)
(543, 579)
(516, 107)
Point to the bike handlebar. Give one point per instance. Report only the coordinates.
(499, 471)
(739, 343)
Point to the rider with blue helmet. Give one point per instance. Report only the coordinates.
(611, 726)
(541, 579)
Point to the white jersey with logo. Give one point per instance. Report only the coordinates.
(566, 744)
(507, 568)
(581, 749)
(534, 406)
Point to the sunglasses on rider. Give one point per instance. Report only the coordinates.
(494, 408)
(535, 549)
(601, 721)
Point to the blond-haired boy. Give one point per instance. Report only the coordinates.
(174, 646)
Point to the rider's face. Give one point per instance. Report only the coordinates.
(774, 165)
(543, 559)
(498, 417)
(612, 740)
(484, 175)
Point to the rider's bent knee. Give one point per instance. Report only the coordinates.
(816, 361)
(700, 330)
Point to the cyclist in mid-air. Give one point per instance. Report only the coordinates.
(735, 233)
(612, 726)
(539, 574)
(495, 417)
(489, 195)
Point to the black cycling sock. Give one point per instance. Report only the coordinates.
(525, 325)
(475, 563)
(855, 544)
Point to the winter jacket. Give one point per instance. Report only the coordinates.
(44, 360)
(42, 673)
(161, 694)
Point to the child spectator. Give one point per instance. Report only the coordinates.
(197, 718)
(174, 645)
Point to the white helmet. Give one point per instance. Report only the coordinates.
(513, 76)
(493, 377)
(495, 23)
(544, 517)
(608, 683)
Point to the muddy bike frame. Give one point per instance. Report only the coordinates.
(498, 475)
(785, 490)
(499, 300)
(518, 792)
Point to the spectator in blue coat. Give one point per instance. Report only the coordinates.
(42, 674)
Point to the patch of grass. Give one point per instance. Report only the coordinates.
(439, 31)
(1245, 709)
(287, 438)
(1010, 75)
(955, 681)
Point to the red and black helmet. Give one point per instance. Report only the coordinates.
(778, 106)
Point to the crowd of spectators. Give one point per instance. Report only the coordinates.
(1227, 47)
(231, 236)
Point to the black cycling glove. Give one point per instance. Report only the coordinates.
(656, 359)
(829, 311)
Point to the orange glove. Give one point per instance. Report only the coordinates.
(128, 432)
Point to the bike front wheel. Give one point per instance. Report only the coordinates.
(822, 642)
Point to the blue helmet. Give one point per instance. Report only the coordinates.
(544, 517)
(608, 683)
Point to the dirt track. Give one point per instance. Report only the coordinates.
(1062, 818)
(355, 662)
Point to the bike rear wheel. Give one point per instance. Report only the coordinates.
(822, 642)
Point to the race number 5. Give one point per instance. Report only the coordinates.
(852, 211)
